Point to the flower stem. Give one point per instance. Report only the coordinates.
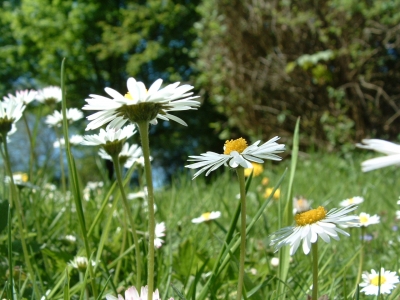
(144, 136)
(314, 250)
(15, 200)
(130, 218)
(242, 183)
(360, 265)
(32, 157)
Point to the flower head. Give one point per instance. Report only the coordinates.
(208, 216)
(133, 294)
(49, 95)
(128, 155)
(81, 263)
(300, 204)
(111, 140)
(72, 114)
(351, 201)
(374, 283)
(73, 140)
(140, 104)
(365, 219)
(390, 149)
(313, 224)
(236, 153)
(10, 113)
(159, 233)
(257, 170)
(25, 97)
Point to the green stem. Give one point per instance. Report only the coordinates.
(32, 156)
(63, 181)
(131, 220)
(15, 200)
(10, 263)
(314, 250)
(360, 265)
(242, 183)
(144, 136)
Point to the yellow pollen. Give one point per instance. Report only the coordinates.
(363, 219)
(310, 217)
(128, 96)
(235, 145)
(351, 201)
(206, 216)
(375, 280)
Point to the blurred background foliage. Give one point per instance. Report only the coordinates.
(258, 64)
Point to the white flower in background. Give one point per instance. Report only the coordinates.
(159, 233)
(374, 282)
(73, 140)
(19, 178)
(91, 188)
(45, 295)
(140, 194)
(390, 149)
(109, 136)
(10, 113)
(133, 294)
(80, 263)
(313, 224)
(208, 216)
(236, 153)
(70, 238)
(300, 204)
(56, 119)
(275, 262)
(351, 201)
(128, 155)
(49, 95)
(366, 219)
(140, 104)
(25, 97)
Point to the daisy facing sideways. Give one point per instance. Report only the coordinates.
(208, 216)
(140, 104)
(237, 153)
(351, 201)
(313, 224)
(391, 150)
(372, 284)
(133, 294)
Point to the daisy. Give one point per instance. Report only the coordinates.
(140, 104)
(49, 95)
(208, 216)
(300, 204)
(133, 294)
(390, 149)
(111, 140)
(365, 219)
(10, 113)
(257, 170)
(25, 97)
(237, 153)
(311, 224)
(128, 155)
(159, 233)
(73, 114)
(371, 286)
(80, 263)
(351, 201)
(73, 140)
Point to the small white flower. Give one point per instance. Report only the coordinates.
(25, 97)
(159, 233)
(371, 286)
(208, 216)
(10, 113)
(140, 194)
(70, 238)
(49, 95)
(313, 224)
(56, 119)
(128, 155)
(45, 295)
(19, 178)
(390, 149)
(109, 135)
(365, 219)
(133, 294)
(140, 104)
(300, 204)
(73, 140)
(397, 214)
(275, 261)
(351, 201)
(80, 263)
(236, 153)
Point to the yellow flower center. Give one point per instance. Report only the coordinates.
(375, 280)
(310, 217)
(351, 201)
(265, 181)
(363, 219)
(128, 96)
(235, 145)
(206, 216)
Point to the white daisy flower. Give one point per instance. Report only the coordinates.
(128, 155)
(159, 233)
(351, 201)
(397, 214)
(19, 178)
(236, 153)
(371, 286)
(133, 294)
(109, 135)
(73, 114)
(73, 140)
(140, 194)
(365, 219)
(208, 216)
(313, 224)
(140, 104)
(25, 97)
(49, 95)
(10, 113)
(390, 149)
(70, 238)
(80, 263)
